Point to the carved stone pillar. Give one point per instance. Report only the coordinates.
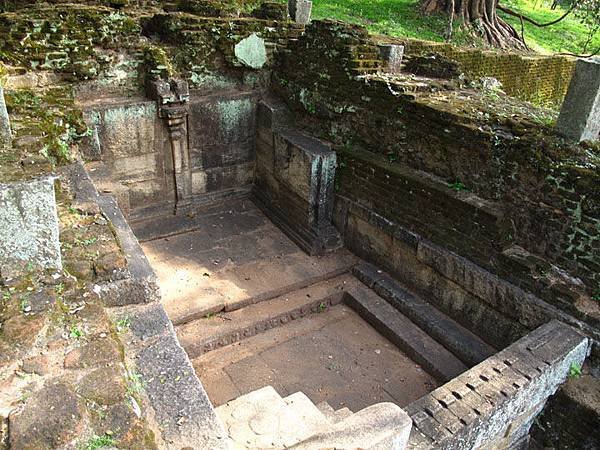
(172, 97)
(176, 119)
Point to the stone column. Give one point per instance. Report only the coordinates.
(176, 118)
(579, 118)
(392, 54)
(172, 97)
(300, 10)
(5, 133)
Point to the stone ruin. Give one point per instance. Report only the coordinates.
(224, 225)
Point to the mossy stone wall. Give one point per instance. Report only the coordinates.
(540, 79)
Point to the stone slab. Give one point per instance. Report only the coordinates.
(392, 54)
(467, 346)
(404, 333)
(332, 356)
(182, 408)
(492, 405)
(29, 233)
(210, 333)
(300, 10)
(580, 113)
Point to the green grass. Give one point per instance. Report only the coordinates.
(569, 35)
(402, 18)
(391, 17)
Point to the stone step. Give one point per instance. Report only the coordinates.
(464, 344)
(296, 271)
(262, 419)
(327, 410)
(209, 333)
(407, 336)
(341, 414)
(331, 414)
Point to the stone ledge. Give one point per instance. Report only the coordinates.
(497, 400)
(182, 411)
(139, 285)
(467, 346)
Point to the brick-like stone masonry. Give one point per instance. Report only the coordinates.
(497, 400)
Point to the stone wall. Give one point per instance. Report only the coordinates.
(131, 156)
(536, 78)
(546, 191)
(294, 180)
(494, 404)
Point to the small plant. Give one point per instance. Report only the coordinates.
(458, 186)
(135, 383)
(59, 288)
(25, 306)
(123, 325)
(98, 442)
(86, 242)
(574, 370)
(392, 157)
(75, 332)
(209, 316)
(6, 296)
(322, 307)
(596, 296)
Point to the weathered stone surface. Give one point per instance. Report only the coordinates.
(251, 51)
(404, 333)
(5, 132)
(39, 365)
(149, 322)
(120, 422)
(28, 226)
(97, 353)
(300, 10)
(467, 346)
(392, 54)
(504, 398)
(383, 425)
(40, 301)
(294, 183)
(179, 400)
(22, 331)
(104, 386)
(50, 419)
(580, 114)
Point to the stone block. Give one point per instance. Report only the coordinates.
(580, 113)
(383, 425)
(251, 51)
(51, 418)
(504, 401)
(29, 231)
(5, 133)
(392, 54)
(300, 10)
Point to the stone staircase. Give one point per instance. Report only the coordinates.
(262, 419)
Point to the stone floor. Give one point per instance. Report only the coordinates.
(229, 258)
(333, 356)
(225, 258)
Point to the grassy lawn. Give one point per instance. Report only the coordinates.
(402, 18)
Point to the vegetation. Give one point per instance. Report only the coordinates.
(404, 18)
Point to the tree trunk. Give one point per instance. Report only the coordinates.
(482, 16)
